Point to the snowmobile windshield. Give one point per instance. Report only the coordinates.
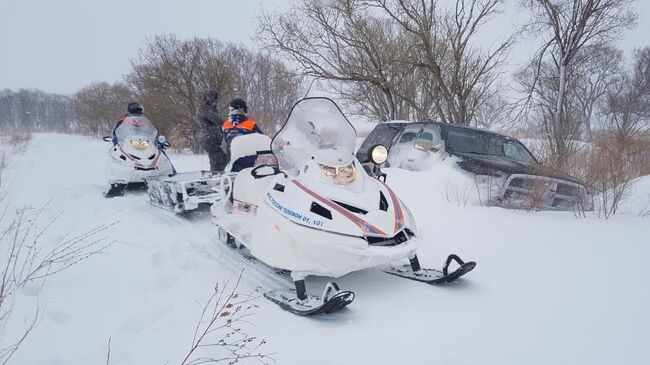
(135, 127)
(316, 129)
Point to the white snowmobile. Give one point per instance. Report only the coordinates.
(317, 212)
(137, 155)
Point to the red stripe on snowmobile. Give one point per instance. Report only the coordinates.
(365, 226)
(155, 160)
(135, 162)
(399, 214)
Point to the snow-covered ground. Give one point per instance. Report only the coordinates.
(548, 288)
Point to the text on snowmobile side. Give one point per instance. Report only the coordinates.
(291, 213)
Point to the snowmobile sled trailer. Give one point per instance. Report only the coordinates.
(183, 192)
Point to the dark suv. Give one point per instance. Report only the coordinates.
(415, 146)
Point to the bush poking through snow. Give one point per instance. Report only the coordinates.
(611, 175)
(16, 139)
(220, 328)
(27, 259)
(645, 210)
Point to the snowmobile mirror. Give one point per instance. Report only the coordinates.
(378, 154)
(108, 139)
(162, 139)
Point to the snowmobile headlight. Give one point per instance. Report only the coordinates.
(140, 144)
(329, 171)
(379, 154)
(340, 175)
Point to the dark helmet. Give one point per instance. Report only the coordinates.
(210, 96)
(239, 104)
(135, 108)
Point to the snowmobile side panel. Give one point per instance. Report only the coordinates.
(279, 242)
(287, 299)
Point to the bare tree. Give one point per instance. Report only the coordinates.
(266, 84)
(98, 106)
(169, 79)
(398, 59)
(626, 113)
(599, 69)
(570, 26)
(171, 74)
(621, 150)
(342, 43)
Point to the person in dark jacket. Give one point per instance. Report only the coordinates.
(210, 127)
(238, 122)
(133, 108)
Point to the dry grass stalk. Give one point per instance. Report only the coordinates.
(220, 327)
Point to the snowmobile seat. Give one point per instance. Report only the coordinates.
(244, 149)
(251, 183)
(242, 163)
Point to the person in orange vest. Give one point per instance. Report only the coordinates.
(238, 123)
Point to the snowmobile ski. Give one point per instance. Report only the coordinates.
(115, 190)
(432, 276)
(333, 300)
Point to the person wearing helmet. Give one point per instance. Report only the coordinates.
(209, 123)
(238, 122)
(134, 108)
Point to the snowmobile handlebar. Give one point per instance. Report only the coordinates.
(256, 174)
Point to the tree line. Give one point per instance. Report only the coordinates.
(34, 110)
(168, 77)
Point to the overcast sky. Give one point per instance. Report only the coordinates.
(63, 45)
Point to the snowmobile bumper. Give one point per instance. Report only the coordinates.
(124, 174)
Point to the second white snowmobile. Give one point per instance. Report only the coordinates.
(137, 153)
(318, 213)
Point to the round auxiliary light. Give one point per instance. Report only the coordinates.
(378, 154)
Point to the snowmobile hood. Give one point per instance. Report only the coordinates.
(376, 211)
(493, 165)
